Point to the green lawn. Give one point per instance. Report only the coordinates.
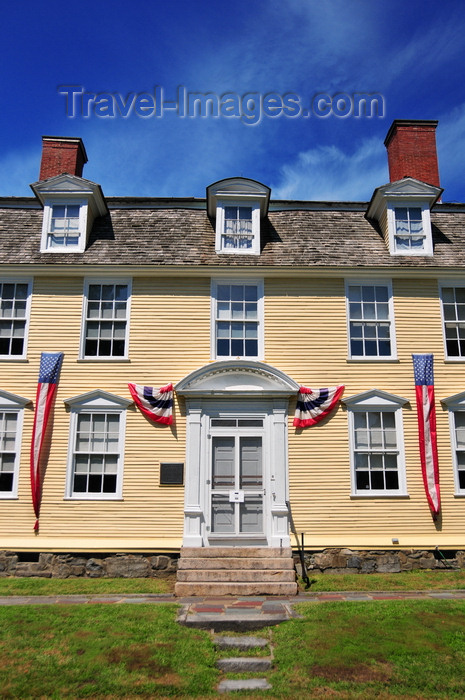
(408, 649)
(84, 586)
(102, 651)
(388, 649)
(406, 581)
(418, 580)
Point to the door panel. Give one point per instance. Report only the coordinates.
(237, 473)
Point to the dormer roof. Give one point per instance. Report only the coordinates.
(238, 188)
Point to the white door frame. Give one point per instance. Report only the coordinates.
(227, 388)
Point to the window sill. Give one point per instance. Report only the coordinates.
(364, 360)
(103, 359)
(13, 359)
(86, 499)
(8, 497)
(372, 495)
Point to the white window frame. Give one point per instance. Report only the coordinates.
(101, 282)
(96, 403)
(220, 223)
(260, 316)
(376, 401)
(392, 329)
(455, 404)
(454, 285)
(11, 403)
(426, 223)
(19, 280)
(45, 244)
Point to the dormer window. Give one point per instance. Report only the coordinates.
(238, 234)
(409, 233)
(402, 210)
(70, 204)
(237, 205)
(64, 225)
(409, 229)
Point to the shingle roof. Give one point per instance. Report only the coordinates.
(179, 235)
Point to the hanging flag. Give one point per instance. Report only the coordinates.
(156, 404)
(315, 404)
(424, 389)
(50, 365)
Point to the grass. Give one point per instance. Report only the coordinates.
(418, 580)
(84, 586)
(388, 649)
(408, 649)
(102, 651)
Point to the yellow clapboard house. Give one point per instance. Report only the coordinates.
(238, 300)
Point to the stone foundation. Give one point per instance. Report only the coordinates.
(348, 561)
(45, 565)
(327, 561)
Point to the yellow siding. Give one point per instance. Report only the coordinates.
(306, 337)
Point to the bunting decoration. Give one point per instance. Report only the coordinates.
(155, 404)
(49, 372)
(315, 404)
(426, 411)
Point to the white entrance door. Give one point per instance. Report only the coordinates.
(237, 507)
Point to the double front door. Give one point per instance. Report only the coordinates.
(237, 493)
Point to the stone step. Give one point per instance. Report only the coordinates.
(244, 664)
(242, 643)
(235, 563)
(185, 589)
(247, 552)
(230, 686)
(235, 575)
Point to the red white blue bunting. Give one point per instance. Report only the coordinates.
(156, 404)
(315, 404)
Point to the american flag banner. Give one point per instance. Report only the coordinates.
(424, 389)
(49, 372)
(315, 404)
(156, 404)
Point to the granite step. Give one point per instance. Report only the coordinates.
(204, 588)
(233, 562)
(236, 575)
(248, 684)
(242, 643)
(244, 664)
(247, 552)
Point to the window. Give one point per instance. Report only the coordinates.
(14, 317)
(376, 439)
(96, 445)
(106, 320)
(64, 225)
(64, 228)
(410, 229)
(370, 320)
(237, 319)
(453, 311)
(237, 233)
(459, 449)
(456, 407)
(11, 422)
(238, 228)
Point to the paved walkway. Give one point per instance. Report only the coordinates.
(232, 612)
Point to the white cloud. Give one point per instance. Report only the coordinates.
(327, 173)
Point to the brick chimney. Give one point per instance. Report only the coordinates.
(62, 154)
(411, 148)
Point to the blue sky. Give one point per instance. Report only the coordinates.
(412, 53)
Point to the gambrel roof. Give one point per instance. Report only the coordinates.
(176, 232)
